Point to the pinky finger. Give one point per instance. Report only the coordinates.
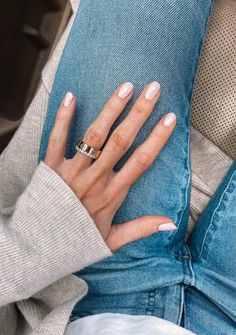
(58, 137)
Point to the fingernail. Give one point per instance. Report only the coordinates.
(125, 90)
(68, 99)
(167, 226)
(169, 119)
(152, 90)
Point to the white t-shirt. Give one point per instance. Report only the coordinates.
(123, 324)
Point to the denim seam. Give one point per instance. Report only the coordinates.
(188, 272)
(188, 146)
(181, 306)
(186, 203)
(184, 316)
(190, 268)
(213, 215)
(151, 303)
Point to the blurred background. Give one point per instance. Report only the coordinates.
(29, 31)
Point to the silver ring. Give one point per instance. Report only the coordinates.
(87, 150)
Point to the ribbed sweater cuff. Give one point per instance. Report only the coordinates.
(69, 219)
(57, 236)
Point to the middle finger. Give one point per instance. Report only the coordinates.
(123, 136)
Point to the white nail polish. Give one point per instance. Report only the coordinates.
(125, 90)
(167, 226)
(169, 119)
(68, 99)
(152, 90)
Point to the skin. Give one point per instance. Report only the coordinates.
(100, 189)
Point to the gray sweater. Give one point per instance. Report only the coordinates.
(45, 231)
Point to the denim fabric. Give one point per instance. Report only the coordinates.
(213, 249)
(140, 41)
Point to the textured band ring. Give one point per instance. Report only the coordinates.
(87, 150)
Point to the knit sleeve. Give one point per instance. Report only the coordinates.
(48, 235)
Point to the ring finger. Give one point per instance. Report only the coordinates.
(98, 131)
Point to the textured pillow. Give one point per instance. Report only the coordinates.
(138, 41)
(214, 99)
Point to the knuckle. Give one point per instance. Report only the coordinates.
(142, 107)
(94, 135)
(139, 109)
(121, 139)
(108, 199)
(144, 160)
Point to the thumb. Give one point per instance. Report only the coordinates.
(136, 229)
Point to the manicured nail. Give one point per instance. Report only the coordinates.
(152, 90)
(68, 98)
(125, 90)
(169, 119)
(167, 226)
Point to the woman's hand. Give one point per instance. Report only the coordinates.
(100, 189)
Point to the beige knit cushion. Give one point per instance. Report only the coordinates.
(214, 97)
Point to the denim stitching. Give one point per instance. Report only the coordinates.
(188, 146)
(181, 307)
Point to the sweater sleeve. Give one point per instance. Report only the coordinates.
(49, 235)
(45, 231)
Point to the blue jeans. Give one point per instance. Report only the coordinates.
(193, 283)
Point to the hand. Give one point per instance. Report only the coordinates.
(100, 189)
